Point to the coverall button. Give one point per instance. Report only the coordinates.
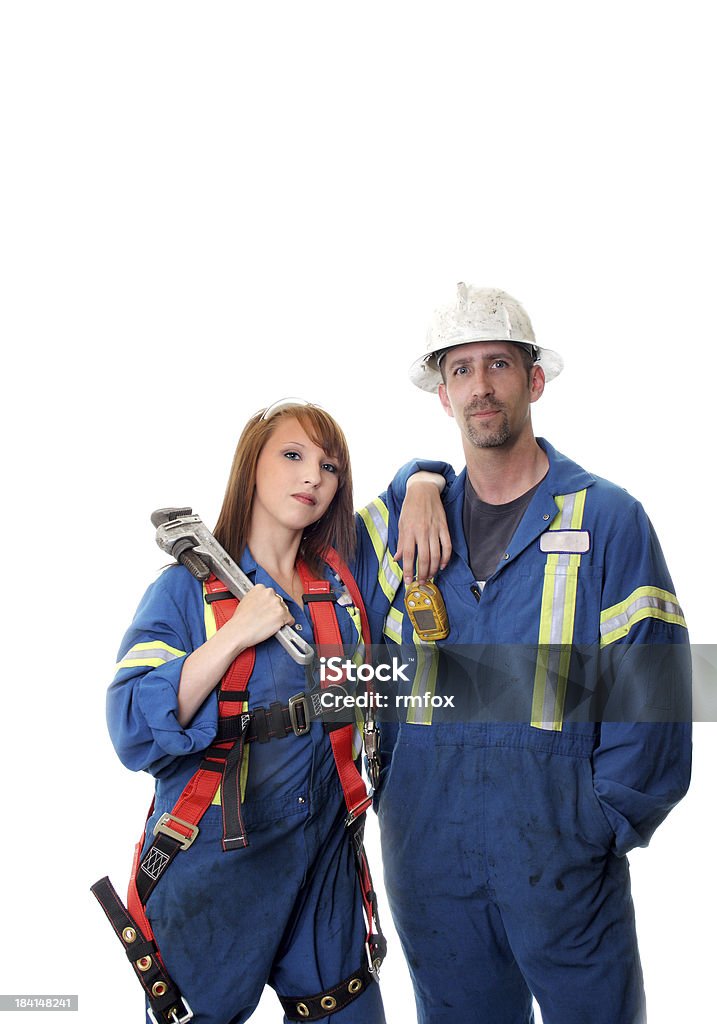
(302, 799)
(546, 517)
(297, 625)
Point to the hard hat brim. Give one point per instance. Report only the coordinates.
(426, 375)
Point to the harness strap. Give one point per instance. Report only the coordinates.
(323, 1004)
(328, 635)
(358, 800)
(165, 1000)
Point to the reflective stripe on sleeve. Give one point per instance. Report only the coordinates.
(375, 517)
(557, 620)
(149, 654)
(643, 603)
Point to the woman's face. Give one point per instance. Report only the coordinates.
(296, 480)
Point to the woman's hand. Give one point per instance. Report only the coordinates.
(259, 615)
(424, 543)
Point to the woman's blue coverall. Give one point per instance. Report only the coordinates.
(286, 910)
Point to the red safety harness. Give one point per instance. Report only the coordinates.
(222, 762)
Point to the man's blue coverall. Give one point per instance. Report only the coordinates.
(504, 841)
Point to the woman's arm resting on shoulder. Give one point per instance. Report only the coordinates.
(424, 542)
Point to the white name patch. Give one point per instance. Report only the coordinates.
(565, 542)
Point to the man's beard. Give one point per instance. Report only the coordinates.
(487, 437)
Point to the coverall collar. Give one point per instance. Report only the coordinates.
(563, 477)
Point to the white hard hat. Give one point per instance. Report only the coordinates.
(479, 314)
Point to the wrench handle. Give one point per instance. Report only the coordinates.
(294, 645)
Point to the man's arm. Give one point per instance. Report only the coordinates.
(642, 768)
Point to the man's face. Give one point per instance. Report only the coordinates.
(488, 391)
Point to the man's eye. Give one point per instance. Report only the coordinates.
(500, 363)
(460, 371)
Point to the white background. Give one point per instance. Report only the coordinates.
(206, 207)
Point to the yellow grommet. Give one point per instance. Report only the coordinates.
(144, 963)
(129, 935)
(377, 963)
(159, 988)
(328, 1003)
(355, 985)
(302, 1009)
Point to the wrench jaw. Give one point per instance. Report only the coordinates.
(185, 537)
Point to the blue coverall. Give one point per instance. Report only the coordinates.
(504, 842)
(287, 909)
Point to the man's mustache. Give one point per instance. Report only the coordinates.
(484, 405)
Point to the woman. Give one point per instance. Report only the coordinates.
(267, 890)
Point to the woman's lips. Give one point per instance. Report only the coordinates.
(305, 499)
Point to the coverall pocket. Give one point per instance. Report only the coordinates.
(599, 826)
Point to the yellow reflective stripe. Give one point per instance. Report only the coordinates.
(393, 625)
(149, 654)
(375, 517)
(643, 603)
(359, 655)
(424, 683)
(557, 620)
(242, 780)
(357, 736)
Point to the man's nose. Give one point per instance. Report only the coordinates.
(482, 384)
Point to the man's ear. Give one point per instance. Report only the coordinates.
(537, 383)
(445, 402)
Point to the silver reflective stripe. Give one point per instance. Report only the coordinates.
(563, 561)
(557, 618)
(393, 626)
(392, 579)
(556, 664)
(623, 620)
(150, 655)
(424, 684)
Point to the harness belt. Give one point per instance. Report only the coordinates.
(222, 763)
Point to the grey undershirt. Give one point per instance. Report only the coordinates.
(489, 528)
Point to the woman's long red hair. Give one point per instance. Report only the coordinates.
(336, 527)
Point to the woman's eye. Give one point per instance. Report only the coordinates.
(292, 455)
(330, 467)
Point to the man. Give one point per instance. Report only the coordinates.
(504, 833)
